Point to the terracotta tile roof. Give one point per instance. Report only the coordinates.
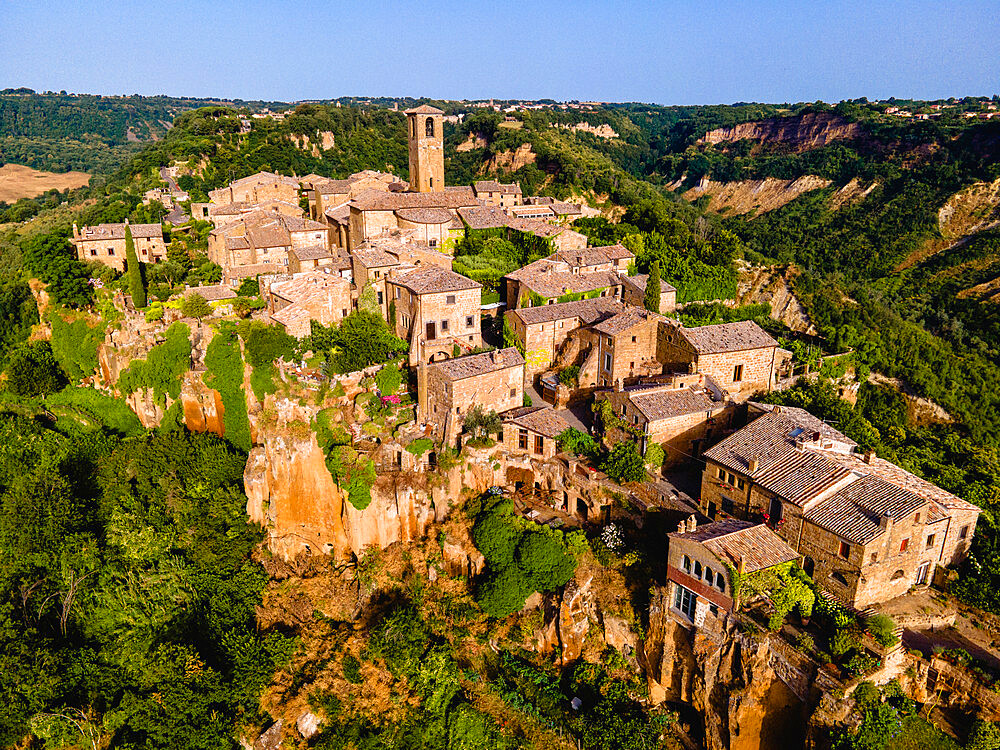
(804, 419)
(230, 209)
(424, 109)
(472, 365)
(300, 224)
(589, 311)
(334, 187)
(623, 321)
(855, 510)
(264, 177)
(536, 227)
(256, 269)
(483, 217)
(425, 215)
(493, 186)
(373, 257)
(728, 337)
(434, 279)
(313, 252)
(117, 231)
(237, 243)
(531, 211)
(305, 286)
(378, 200)
(552, 283)
(735, 542)
(340, 214)
(639, 281)
(268, 235)
(658, 404)
(212, 292)
(566, 209)
(541, 419)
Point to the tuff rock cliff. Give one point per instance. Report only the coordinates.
(800, 133)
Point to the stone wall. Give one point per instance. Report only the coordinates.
(757, 366)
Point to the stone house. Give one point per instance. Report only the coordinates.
(308, 258)
(435, 310)
(634, 293)
(258, 188)
(545, 331)
(566, 276)
(105, 243)
(495, 193)
(326, 195)
(868, 529)
(372, 265)
(627, 346)
(308, 296)
(532, 431)
(221, 215)
(447, 390)
(373, 213)
(264, 238)
(683, 416)
(700, 588)
(739, 357)
(560, 238)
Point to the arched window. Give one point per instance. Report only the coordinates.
(720, 582)
(429, 127)
(840, 578)
(686, 563)
(709, 574)
(414, 121)
(697, 569)
(897, 575)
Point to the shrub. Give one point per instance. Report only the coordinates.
(352, 669)
(578, 442)
(420, 446)
(163, 367)
(655, 455)
(225, 374)
(388, 379)
(624, 464)
(74, 344)
(882, 629)
(195, 306)
(154, 312)
(570, 376)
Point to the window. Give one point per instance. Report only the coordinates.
(397, 292)
(709, 574)
(539, 444)
(633, 339)
(93, 251)
(904, 545)
(740, 483)
(458, 410)
(728, 506)
(722, 474)
(845, 550)
(732, 479)
(720, 583)
(429, 127)
(714, 610)
(450, 299)
(916, 518)
(686, 563)
(930, 541)
(607, 361)
(513, 392)
(111, 251)
(964, 533)
(430, 181)
(737, 373)
(922, 573)
(522, 439)
(380, 298)
(631, 365)
(840, 578)
(874, 558)
(684, 601)
(406, 322)
(469, 321)
(433, 242)
(697, 569)
(444, 324)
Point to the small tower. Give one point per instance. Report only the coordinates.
(425, 132)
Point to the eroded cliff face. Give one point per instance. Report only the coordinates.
(801, 133)
(773, 286)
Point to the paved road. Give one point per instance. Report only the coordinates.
(178, 215)
(171, 182)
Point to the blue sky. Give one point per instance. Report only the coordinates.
(664, 52)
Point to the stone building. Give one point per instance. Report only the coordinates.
(436, 310)
(105, 243)
(699, 560)
(739, 357)
(263, 238)
(221, 215)
(309, 258)
(495, 193)
(546, 331)
(258, 188)
(374, 213)
(371, 266)
(567, 276)
(313, 295)
(425, 131)
(868, 529)
(446, 391)
(684, 415)
(634, 293)
(627, 346)
(327, 195)
(532, 431)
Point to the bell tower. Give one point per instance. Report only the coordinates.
(425, 133)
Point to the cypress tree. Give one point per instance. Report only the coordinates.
(134, 271)
(651, 301)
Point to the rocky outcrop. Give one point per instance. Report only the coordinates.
(773, 287)
(745, 196)
(510, 161)
(800, 133)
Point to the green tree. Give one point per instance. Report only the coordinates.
(985, 735)
(651, 300)
(195, 306)
(624, 464)
(136, 284)
(32, 370)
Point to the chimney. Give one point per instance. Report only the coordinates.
(682, 527)
(76, 230)
(752, 465)
(885, 522)
(777, 410)
(618, 385)
(692, 522)
(867, 456)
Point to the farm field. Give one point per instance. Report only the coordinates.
(18, 181)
